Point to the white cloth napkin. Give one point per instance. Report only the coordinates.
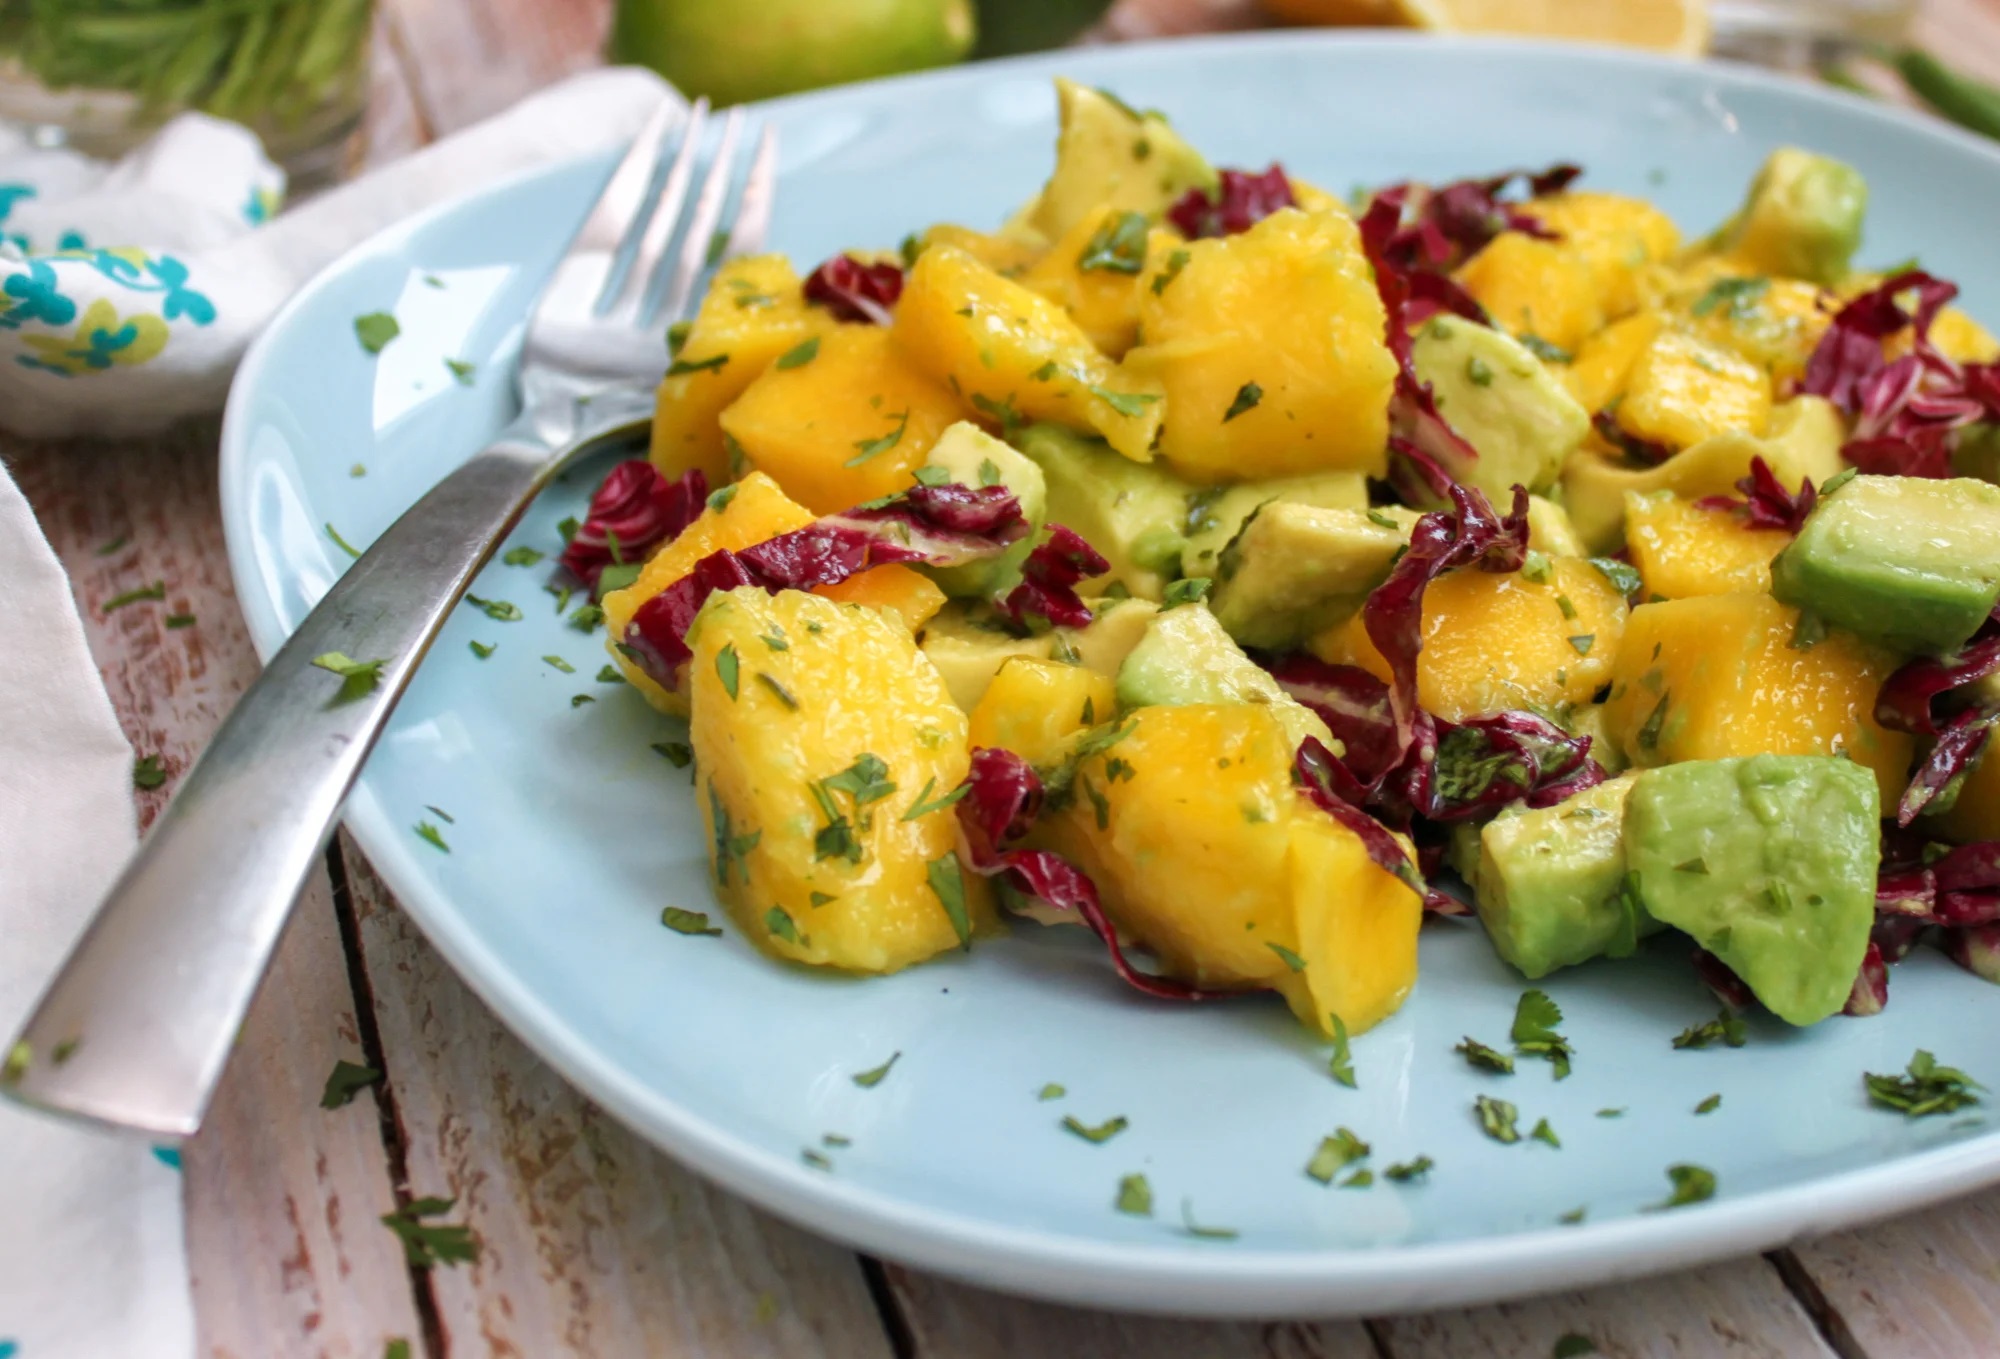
(130, 292)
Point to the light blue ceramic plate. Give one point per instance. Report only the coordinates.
(570, 834)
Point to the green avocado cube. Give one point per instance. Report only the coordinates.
(1769, 863)
(969, 456)
(1134, 513)
(1186, 658)
(1802, 218)
(1516, 414)
(1550, 883)
(1110, 153)
(1296, 570)
(1908, 562)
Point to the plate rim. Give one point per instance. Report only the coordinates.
(1228, 1281)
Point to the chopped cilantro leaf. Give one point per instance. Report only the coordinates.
(726, 669)
(425, 830)
(1726, 1027)
(1572, 1217)
(1049, 1092)
(481, 649)
(687, 922)
(1534, 1034)
(1135, 1196)
(1125, 403)
(816, 1159)
(1924, 1088)
(1649, 731)
(1341, 1064)
(461, 371)
(427, 1244)
(1405, 1171)
(1478, 372)
(1119, 246)
(523, 556)
(1247, 397)
(925, 804)
(111, 547)
(1611, 1113)
(799, 355)
(375, 330)
(1194, 1229)
(874, 1076)
(1624, 578)
(497, 609)
(947, 881)
(1544, 1133)
(1190, 590)
(682, 367)
(157, 590)
(1709, 1105)
(778, 690)
(1291, 959)
(148, 772)
(679, 754)
(1334, 1154)
(1535, 567)
(869, 448)
(345, 1082)
(1176, 262)
(781, 925)
(1496, 1118)
(1573, 1346)
(1360, 1179)
(1692, 1184)
(1583, 643)
(1489, 1059)
(609, 674)
(357, 677)
(16, 1064)
(179, 620)
(1542, 349)
(1739, 295)
(1101, 1133)
(560, 664)
(932, 476)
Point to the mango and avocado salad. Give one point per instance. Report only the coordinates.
(1201, 559)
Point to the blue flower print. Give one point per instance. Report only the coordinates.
(10, 194)
(167, 1156)
(8, 1349)
(180, 300)
(38, 299)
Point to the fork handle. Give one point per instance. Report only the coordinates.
(136, 1027)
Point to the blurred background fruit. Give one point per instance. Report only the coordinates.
(1010, 26)
(1678, 26)
(717, 47)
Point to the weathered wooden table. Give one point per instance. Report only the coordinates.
(593, 1243)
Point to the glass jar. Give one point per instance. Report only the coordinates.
(1803, 35)
(99, 75)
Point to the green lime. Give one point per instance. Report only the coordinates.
(712, 47)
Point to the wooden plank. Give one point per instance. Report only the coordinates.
(1920, 1287)
(471, 60)
(282, 1197)
(592, 1243)
(1739, 1310)
(394, 126)
(947, 1320)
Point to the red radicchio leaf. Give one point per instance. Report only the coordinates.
(1976, 949)
(1484, 763)
(1959, 888)
(1049, 577)
(640, 509)
(1871, 985)
(854, 291)
(1908, 699)
(938, 525)
(1957, 746)
(1895, 935)
(1645, 452)
(1766, 503)
(1004, 799)
(1717, 977)
(1318, 773)
(1240, 201)
(1906, 410)
(1355, 706)
(1438, 228)
(1418, 429)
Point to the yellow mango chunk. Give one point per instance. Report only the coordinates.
(1535, 287)
(1093, 274)
(1615, 236)
(754, 313)
(1034, 707)
(1956, 335)
(1497, 640)
(804, 792)
(1718, 676)
(848, 425)
(913, 597)
(1207, 854)
(1683, 551)
(1773, 323)
(1009, 255)
(754, 511)
(1605, 361)
(1269, 345)
(1017, 356)
(1683, 389)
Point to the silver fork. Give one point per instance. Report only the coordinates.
(136, 1028)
